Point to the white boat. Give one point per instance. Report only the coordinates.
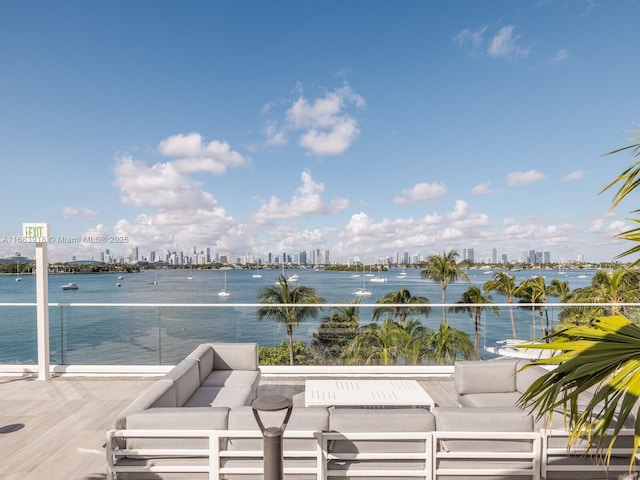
(224, 293)
(402, 274)
(190, 277)
(70, 286)
(362, 291)
(293, 278)
(18, 277)
(508, 348)
(257, 274)
(378, 279)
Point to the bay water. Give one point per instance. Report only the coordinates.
(114, 335)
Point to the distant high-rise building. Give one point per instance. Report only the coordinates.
(494, 255)
(468, 254)
(326, 257)
(504, 258)
(546, 256)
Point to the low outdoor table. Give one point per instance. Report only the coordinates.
(366, 393)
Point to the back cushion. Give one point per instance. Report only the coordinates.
(186, 379)
(205, 418)
(526, 375)
(204, 355)
(235, 356)
(354, 420)
(314, 419)
(485, 376)
(483, 419)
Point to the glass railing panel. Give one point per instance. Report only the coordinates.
(18, 334)
(162, 334)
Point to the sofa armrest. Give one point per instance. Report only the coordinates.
(159, 394)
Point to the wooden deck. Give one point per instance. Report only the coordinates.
(55, 429)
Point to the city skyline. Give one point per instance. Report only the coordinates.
(291, 126)
(207, 256)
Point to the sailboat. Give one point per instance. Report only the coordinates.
(362, 292)
(190, 277)
(378, 279)
(257, 274)
(18, 277)
(224, 293)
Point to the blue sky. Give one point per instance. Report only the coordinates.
(366, 128)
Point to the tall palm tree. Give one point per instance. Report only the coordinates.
(401, 297)
(447, 344)
(446, 270)
(282, 296)
(504, 284)
(472, 299)
(533, 291)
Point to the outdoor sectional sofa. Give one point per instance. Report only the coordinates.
(189, 426)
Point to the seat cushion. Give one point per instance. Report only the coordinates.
(231, 378)
(219, 397)
(489, 399)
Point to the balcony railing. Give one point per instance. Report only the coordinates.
(160, 333)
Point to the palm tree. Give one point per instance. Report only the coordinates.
(401, 297)
(337, 330)
(601, 357)
(281, 296)
(447, 344)
(533, 291)
(444, 269)
(504, 284)
(618, 286)
(628, 181)
(472, 299)
(375, 344)
(413, 340)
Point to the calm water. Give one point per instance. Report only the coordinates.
(152, 335)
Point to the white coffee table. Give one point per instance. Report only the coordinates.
(365, 393)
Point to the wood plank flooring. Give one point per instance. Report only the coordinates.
(55, 429)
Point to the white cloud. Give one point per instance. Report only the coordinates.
(515, 179)
(197, 156)
(275, 134)
(560, 56)
(73, 211)
(324, 126)
(470, 39)
(482, 188)
(421, 191)
(505, 44)
(307, 201)
(575, 175)
(160, 186)
(364, 234)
